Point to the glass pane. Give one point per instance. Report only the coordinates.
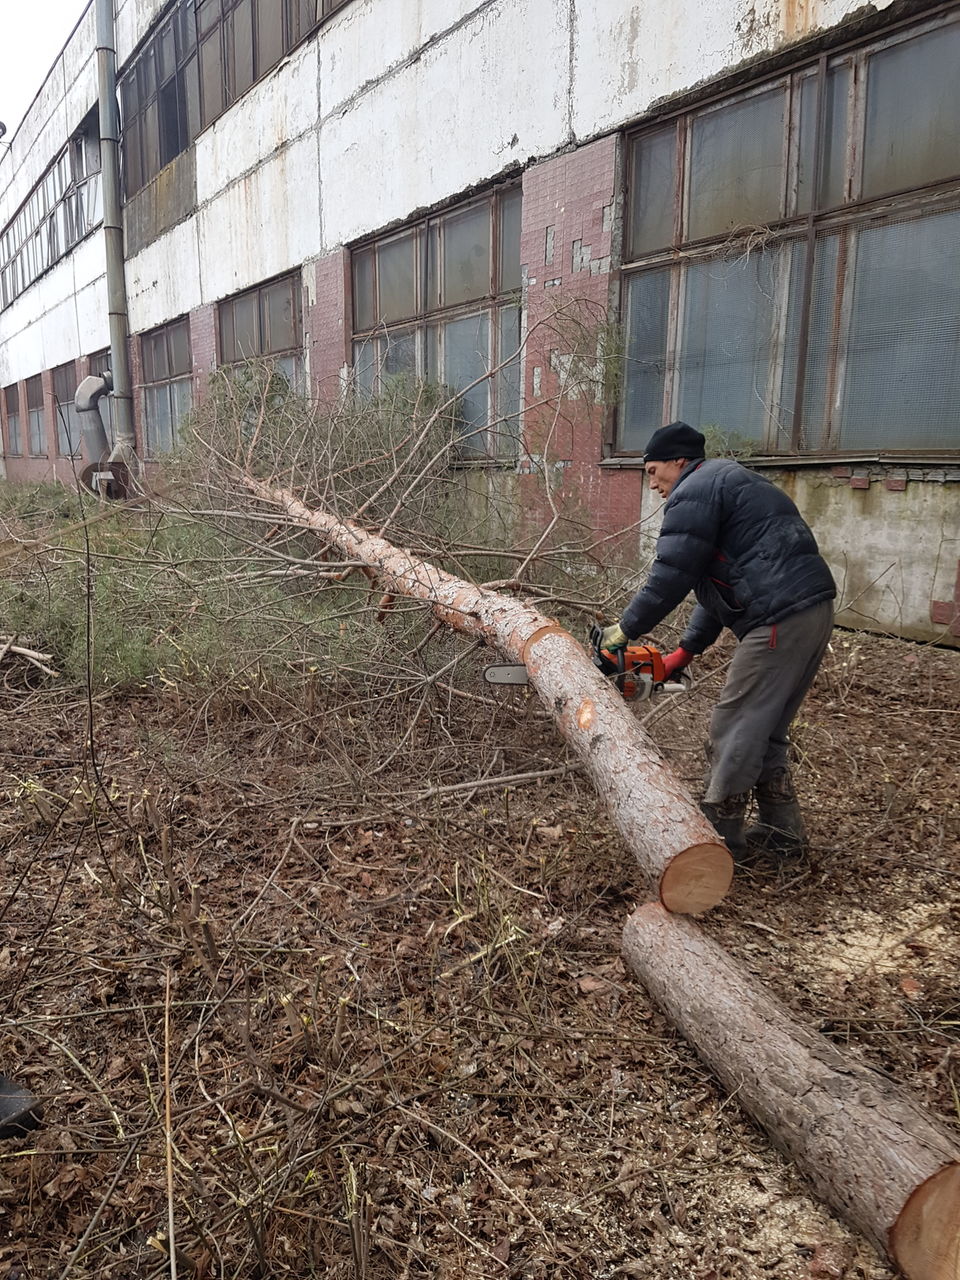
(645, 363)
(156, 366)
(173, 120)
(150, 136)
(466, 357)
(288, 372)
(819, 389)
(364, 308)
(181, 395)
(34, 388)
(901, 385)
(238, 32)
(506, 432)
(281, 328)
(158, 416)
(466, 255)
(211, 79)
(239, 329)
(191, 89)
(167, 48)
(365, 362)
(178, 342)
(653, 191)
(64, 382)
(68, 430)
(833, 160)
(132, 166)
(400, 354)
(13, 434)
(11, 397)
(208, 14)
(511, 206)
(35, 431)
(432, 238)
(397, 278)
(734, 312)
(736, 165)
(913, 103)
(269, 34)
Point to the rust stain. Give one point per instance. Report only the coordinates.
(586, 714)
(798, 17)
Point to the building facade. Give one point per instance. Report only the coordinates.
(744, 215)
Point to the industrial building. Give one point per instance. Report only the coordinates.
(757, 205)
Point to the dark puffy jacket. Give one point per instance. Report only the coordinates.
(737, 542)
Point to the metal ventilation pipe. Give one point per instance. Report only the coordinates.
(113, 232)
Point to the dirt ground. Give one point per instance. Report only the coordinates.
(303, 988)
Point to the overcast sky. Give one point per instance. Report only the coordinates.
(31, 36)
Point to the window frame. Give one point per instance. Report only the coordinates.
(433, 316)
(64, 410)
(260, 295)
(205, 36)
(168, 385)
(36, 417)
(809, 226)
(13, 436)
(63, 207)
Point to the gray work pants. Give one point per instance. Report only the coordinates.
(771, 670)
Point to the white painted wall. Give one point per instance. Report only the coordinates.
(392, 108)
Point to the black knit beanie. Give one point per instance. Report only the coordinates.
(674, 441)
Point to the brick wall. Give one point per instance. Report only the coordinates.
(570, 211)
(328, 321)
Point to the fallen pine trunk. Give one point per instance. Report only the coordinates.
(867, 1148)
(678, 850)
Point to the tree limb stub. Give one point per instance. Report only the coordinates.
(677, 849)
(869, 1150)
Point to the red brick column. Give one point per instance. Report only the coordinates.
(203, 348)
(568, 249)
(328, 322)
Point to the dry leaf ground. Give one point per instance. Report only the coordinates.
(393, 1033)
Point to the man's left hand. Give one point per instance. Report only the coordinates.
(613, 638)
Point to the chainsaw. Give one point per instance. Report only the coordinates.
(637, 671)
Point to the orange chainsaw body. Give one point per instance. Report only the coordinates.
(629, 666)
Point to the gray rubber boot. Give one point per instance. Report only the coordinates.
(727, 818)
(780, 827)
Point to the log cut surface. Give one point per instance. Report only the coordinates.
(678, 850)
(869, 1150)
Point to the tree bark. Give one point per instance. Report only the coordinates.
(867, 1148)
(681, 855)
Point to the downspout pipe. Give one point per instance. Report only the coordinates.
(125, 446)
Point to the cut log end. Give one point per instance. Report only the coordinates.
(925, 1239)
(697, 879)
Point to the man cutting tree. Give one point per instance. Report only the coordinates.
(740, 544)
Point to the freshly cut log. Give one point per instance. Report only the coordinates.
(677, 849)
(869, 1150)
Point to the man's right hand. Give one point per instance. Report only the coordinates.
(676, 661)
(613, 638)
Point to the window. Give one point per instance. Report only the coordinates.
(68, 420)
(160, 99)
(790, 266)
(63, 207)
(11, 404)
(36, 431)
(265, 322)
(439, 302)
(168, 385)
(99, 365)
